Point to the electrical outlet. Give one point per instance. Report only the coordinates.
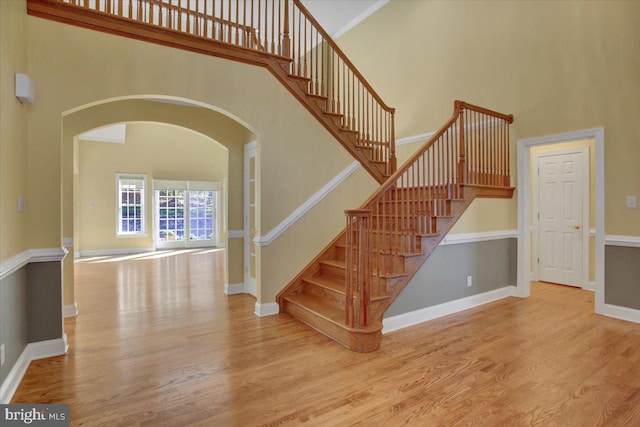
(632, 202)
(1, 354)
(469, 281)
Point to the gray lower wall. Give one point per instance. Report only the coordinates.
(30, 309)
(622, 276)
(45, 301)
(14, 325)
(443, 277)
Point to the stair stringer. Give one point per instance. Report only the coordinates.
(316, 105)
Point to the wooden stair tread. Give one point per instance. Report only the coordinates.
(326, 282)
(296, 77)
(321, 97)
(347, 130)
(319, 307)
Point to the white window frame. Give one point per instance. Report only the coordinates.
(143, 207)
(187, 186)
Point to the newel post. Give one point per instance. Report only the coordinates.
(358, 268)
(286, 41)
(459, 106)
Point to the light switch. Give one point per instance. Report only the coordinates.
(20, 204)
(632, 202)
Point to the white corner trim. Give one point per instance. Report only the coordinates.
(234, 288)
(358, 19)
(109, 252)
(70, 310)
(18, 261)
(405, 320)
(423, 137)
(235, 234)
(267, 309)
(272, 235)
(454, 239)
(622, 313)
(33, 351)
(628, 241)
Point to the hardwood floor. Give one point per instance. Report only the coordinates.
(157, 343)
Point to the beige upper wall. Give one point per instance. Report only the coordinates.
(158, 151)
(298, 156)
(557, 66)
(13, 130)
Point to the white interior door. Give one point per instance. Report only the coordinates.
(250, 218)
(562, 216)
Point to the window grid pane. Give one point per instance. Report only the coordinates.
(201, 214)
(131, 210)
(171, 204)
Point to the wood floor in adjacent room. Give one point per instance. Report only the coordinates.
(157, 343)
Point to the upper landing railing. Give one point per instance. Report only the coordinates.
(279, 28)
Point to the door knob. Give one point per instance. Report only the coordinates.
(577, 226)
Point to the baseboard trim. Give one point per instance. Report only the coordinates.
(234, 289)
(33, 351)
(70, 310)
(622, 313)
(591, 286)
(412, 318)
(110, 252)
(267, 309)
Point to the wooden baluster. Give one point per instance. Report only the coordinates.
(486, 151)
(317, 71)
(461, 153)
(323, 66)
(299, 37)
(251, 25)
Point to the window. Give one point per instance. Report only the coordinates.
(130, 204)
(186, 213)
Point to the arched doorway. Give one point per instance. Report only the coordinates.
(227, 131)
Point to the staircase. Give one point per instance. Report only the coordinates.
(346, 289)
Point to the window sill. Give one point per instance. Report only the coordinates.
(131, 235)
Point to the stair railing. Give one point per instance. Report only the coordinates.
(472, 148)
(285, 29)
(332, 76)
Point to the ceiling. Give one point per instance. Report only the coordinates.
(339, 16)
